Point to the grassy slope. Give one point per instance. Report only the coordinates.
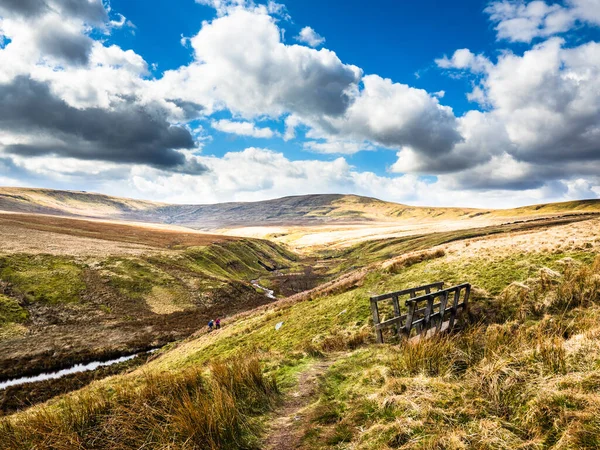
(300, 210)
(53, 280)
(69, 203)
(530, 381)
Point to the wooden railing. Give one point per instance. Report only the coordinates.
(424, 314)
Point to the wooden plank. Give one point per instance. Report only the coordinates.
(454, 309)
(443, 302)
(396, 303)
(378, 332)
(393, 321)
(409, 291)
(467, 295)
(427, 318)
(409, 319)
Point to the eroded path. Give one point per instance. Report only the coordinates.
(288, 420)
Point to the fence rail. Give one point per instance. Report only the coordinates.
(424, 314)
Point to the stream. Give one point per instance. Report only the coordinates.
(77, 368)
(268, 292)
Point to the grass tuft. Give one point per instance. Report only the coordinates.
(186, 410)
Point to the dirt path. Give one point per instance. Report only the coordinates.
(286, 430)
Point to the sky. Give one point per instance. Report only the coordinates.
(464, 103)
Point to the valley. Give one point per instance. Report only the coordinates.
(83, 285)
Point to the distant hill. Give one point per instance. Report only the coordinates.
(295, 210)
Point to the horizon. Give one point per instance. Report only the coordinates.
(466, 105)
(582, 200)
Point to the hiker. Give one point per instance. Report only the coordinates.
(218, 324)
(210, 325)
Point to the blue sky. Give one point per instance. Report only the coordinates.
(466, 103)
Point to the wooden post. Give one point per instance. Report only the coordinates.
(413, 294)
(378, 332)
(467, 295)
(427, 317)
(443, 302)
(396, 303)
(454, 309)
(409, 318)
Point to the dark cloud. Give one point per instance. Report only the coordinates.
(72, 48)
(128, 133)
(92, 11)
(190, 110)
(27, 8)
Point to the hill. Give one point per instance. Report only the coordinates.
(303, 210)
(293, 210)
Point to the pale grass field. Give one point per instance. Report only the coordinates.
(574, 236)
(310, 238)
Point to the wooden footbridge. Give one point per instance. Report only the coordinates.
(431, 309)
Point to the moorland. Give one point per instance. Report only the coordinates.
(86, 277)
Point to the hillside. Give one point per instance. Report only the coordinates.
(520, 372)
(74, 290)
(295, 211)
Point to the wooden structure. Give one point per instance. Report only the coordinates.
(430, 309)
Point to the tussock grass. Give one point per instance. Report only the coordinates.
(397, 264)
(186, 410)
(530, 380)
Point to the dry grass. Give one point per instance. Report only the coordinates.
(58, 235)
(397, 264)
(528, 379)
(186, 410)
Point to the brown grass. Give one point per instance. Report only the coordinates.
(154, 236)
(184, 410)
(397, 264)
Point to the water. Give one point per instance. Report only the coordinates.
(77, 368)
(268, 292)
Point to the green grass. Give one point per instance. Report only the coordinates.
(135, 277)
(210, 267)
(348, 314)
(43, 278)
(11, 311)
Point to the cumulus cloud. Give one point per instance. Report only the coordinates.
(258, 174)
(260, 74)
(92, 11)
(337, 147)
(242, 129)
(520, 21)
(540, 124)
(38, 123)
(72, 105)
(395, 115)
(310, 37)
(464, 59)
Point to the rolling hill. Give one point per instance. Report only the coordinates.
(304, 210)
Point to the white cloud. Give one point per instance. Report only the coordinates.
(339, 147)
(463, 59)
(311, 37)
(393, 115)
(520, 21)
(541, 123)
(254, 73)
(242, 129)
